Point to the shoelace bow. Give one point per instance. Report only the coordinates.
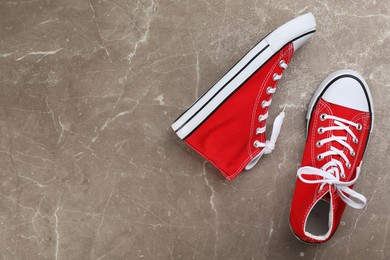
(269, 145)
(333, 171)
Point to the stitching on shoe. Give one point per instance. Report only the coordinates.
(209, 159)
(287, 53)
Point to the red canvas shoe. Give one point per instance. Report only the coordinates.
(227, 124)
(340, 120)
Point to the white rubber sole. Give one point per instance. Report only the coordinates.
(335, 75)
(297, 31)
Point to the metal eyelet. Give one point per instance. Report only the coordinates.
(319, 144)
(359, 127)
(353, 153)
(276, 77)
(256, 144)
(319, 157)
(348, 165)
(355, 140)
(343, 175)
(320, 130)
(322, 117)
(283, 64)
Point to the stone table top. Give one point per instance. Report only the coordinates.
(90, 168)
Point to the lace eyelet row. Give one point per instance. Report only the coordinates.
(355, 140)
(283, 64)
(265, 103)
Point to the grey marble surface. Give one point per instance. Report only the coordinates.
(90, 168)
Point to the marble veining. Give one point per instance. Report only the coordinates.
(90, 168)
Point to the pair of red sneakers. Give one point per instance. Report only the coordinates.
(227, 126)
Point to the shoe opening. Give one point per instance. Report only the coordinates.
(319, 221)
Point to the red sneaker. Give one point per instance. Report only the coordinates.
(340, 120)
(227, 124)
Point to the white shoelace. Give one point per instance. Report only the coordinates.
(333, 172)
(269, 145)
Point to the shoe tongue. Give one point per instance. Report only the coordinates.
(326, 197)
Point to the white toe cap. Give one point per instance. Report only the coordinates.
(347, 92)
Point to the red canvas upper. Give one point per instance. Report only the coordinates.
(226, 138)
(306, 195)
